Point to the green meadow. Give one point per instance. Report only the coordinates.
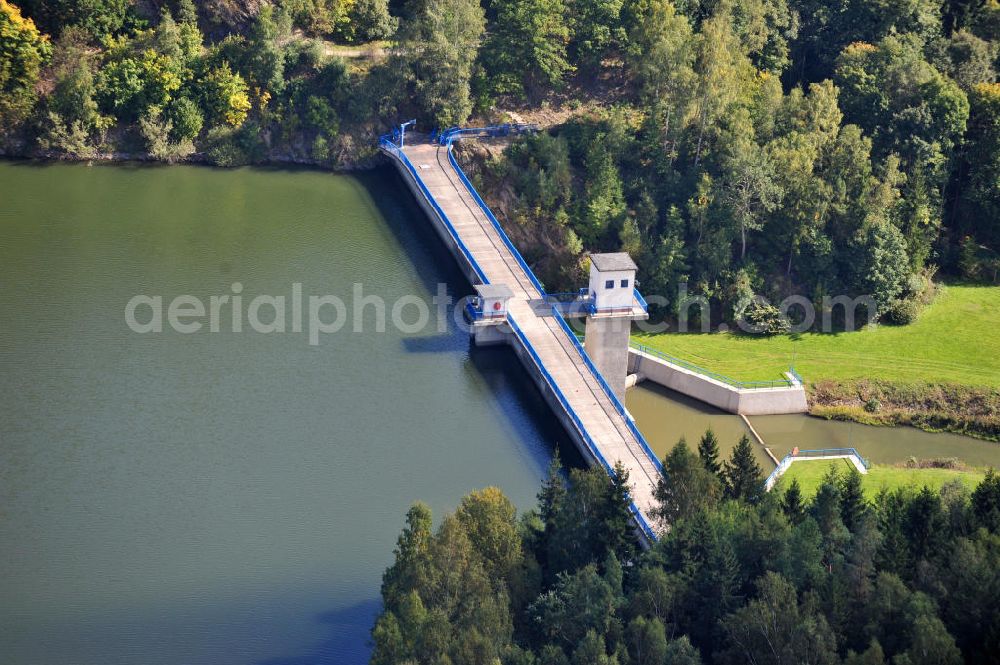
(811, 474)
(956, 339)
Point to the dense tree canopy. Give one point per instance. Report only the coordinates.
(23, 50)
(908, 577)
(740, 149)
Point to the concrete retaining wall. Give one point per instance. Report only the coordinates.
(746, 401)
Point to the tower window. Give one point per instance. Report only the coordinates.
(624, 283)
(610, 284)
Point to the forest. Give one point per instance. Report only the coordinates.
(740, 576)
(737, 148)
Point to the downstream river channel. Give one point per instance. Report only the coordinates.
(664, 416)
(226, 497)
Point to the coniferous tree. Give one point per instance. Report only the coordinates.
(820, 589)
(852, 499)
(617, 516)
(894, 555)
(708, 451)
(553, 492)
(716, 580)
(986, 502)
(685, 487)
(825, 509)
(792, 503)
(743, 476)
(924, 524)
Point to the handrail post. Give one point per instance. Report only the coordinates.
(402, 131)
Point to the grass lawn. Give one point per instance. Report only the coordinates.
(956, 339)
(810, 476)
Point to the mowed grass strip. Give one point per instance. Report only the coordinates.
(955, 340)
(811, 474)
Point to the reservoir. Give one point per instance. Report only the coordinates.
(224, 497)
(233, 497)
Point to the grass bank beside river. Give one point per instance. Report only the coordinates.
(810, 476)
(940, 373)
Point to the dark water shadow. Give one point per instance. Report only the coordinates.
(684, 400)
(413, 231)
(444, 343)
(520, 398)
(509, 382)
(348, 643)
(431, 260)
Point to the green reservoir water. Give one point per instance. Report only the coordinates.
(663, 416)
(218, 497)
(233, 498)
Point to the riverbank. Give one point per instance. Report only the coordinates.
(362, 159)
(940, 373)
(934, 407)
(810, 476)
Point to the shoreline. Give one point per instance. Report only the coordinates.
(972, 411)
(353, 148)
(195, 159)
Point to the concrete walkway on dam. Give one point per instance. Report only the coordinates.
(563, 365)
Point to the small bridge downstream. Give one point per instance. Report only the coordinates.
(577, 392)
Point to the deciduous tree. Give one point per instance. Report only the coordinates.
(23, 51)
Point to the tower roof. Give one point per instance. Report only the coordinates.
(613, 262)
(494, 290)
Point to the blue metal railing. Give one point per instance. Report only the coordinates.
(474, 313)
(566, 296)
(818, 453)
(493, 220)
(778, 471)
(585, 303)
(642, 301)
(591, 446)
(697, 369)
(573, 303)
(386, 143)
(446, 139)
(833, 452)
(448, 135)
(619, 407)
